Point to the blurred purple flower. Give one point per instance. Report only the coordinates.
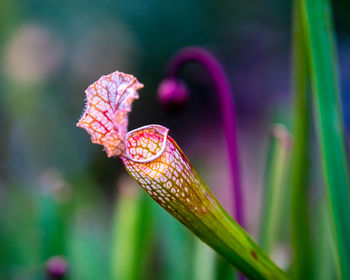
(56, 268)
(172, 94)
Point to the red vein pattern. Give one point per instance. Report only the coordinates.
(169, 178)
(106, 113)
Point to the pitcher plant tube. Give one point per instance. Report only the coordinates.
(172, 92)
(157, 164)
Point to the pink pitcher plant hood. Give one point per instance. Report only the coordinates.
(106, 113)
(157, 164)
(150, 156)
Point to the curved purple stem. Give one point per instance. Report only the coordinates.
(228, 113)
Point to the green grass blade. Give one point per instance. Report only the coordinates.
(324, 254)
(302, 264)
(131, 234)
(223, 269)
(204, 262)
(176, 247)
(276, 187)
(320, 45)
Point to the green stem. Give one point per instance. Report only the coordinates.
(300, 227)
(275, 192)
(225, 236)
(320, 45)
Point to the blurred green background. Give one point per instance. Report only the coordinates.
(61, 196)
